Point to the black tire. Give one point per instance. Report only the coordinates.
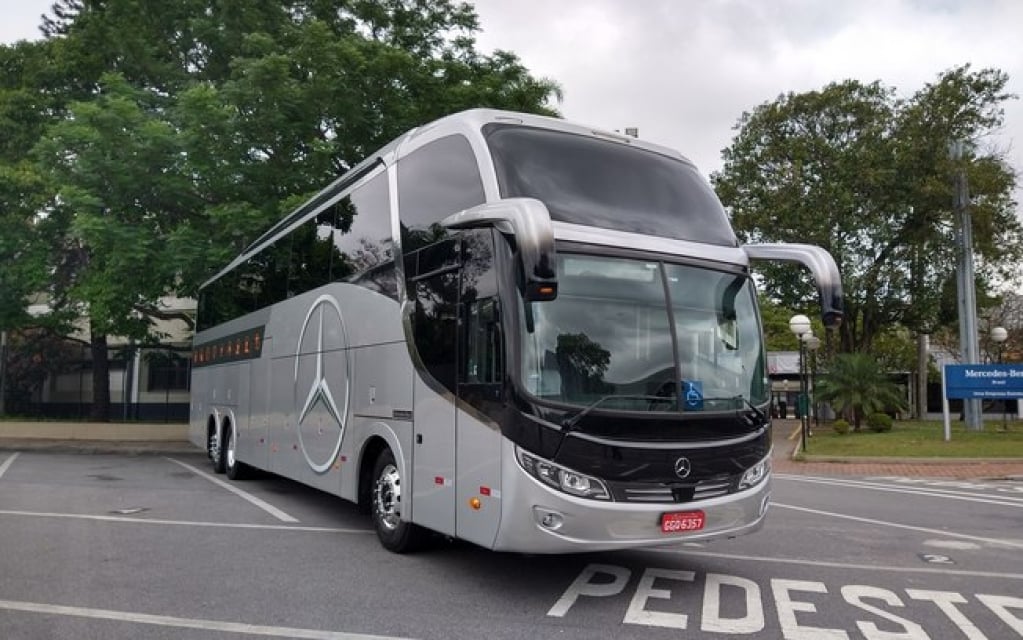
(218, 449)
(235, 468)
(395, 534)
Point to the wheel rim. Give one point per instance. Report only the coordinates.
(213, 446)
(230, 451)
(387, 498)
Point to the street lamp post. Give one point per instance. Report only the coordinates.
(800, 325)
(812, 343)
(999, 335)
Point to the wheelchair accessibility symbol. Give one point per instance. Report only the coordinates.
(692, 395)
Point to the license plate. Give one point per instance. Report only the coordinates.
(682, 521)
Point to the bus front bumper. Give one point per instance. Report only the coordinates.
(538, 519)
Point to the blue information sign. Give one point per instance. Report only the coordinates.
(990, 381)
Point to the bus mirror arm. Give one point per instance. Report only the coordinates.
(528, 220)
(821, 265)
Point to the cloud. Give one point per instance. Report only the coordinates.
(684, 72)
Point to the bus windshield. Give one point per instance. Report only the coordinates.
(600, 183)
(615, 337)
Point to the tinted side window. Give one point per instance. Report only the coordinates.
(258, 282)
(311, 257)
(362, 236)
(434, 181)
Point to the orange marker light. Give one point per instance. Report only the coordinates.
(475, 504)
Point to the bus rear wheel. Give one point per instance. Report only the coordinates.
(218, 448)
(397, 535)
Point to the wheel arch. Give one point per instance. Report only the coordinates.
(381, 436)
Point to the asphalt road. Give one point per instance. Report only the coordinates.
(148, 546)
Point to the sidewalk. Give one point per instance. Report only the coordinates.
(786, 444)
(83, 437)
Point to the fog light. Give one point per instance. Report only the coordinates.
(550, 520)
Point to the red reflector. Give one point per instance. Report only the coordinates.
(438, 480)
(484, 491)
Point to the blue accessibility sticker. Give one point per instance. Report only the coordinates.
(692, 395)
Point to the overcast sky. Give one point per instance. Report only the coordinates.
(683, 71)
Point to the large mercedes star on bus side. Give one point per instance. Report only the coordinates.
(505, 328)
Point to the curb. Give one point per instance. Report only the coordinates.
(797, 449)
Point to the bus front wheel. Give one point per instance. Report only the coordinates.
(397, 535)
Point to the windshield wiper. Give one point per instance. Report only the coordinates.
(761, 416)
(570, 421)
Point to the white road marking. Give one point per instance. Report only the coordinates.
(840, 565)
(185, 623)
(895, 525)
(7, 464)
(1002, 501)
(183, 523)
(959, 545)
(265, 506)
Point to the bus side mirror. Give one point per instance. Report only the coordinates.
(528, 220)
(821, 265)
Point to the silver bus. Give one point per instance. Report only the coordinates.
(508, 329)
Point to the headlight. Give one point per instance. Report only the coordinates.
(562, 478)
(756, 474)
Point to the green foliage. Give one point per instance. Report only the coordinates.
(856, 384)
(895, 349)
(840, 426)
(775, 319)
(144, 144)
(23, 244)
(867, 175)
(879, 422)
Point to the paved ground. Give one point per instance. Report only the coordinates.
(785, 444)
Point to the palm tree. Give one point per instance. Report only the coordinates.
(855, 383)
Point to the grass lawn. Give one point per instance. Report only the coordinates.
(921, 440)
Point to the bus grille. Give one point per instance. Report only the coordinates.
(676, 492)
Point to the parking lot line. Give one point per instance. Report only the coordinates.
(186, 623)
(183, 523)
(265, 506)
(896, 525)
(7, 463)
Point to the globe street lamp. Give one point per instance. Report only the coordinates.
(999, 335)
(800, 325)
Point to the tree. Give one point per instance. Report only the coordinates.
(122, 191)
(22, 187)
(856, 384)
(191, 126)
(867, 176)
